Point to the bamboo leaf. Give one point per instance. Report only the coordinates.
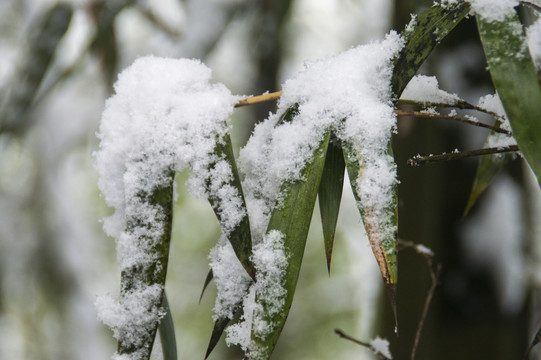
(240, 237)
(515, 80)
(536, 340)
(43, 39)
(149, 274)
(430, 27)
(292, 219)
(167, 333)
(217, 331)
(208, 279)
(382, 243)
(330, 194)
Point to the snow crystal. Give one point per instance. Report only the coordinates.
(165, 116)
(425, 89)
(270, 261)
(422, 249)
(493, 103)
(349, 93)
(381, 346)
(230, 278)
(493, 10)
(534, 42)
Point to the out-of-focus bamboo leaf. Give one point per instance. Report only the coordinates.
(330, 194)
(292, 219)
(240, 237)
(515, 80)
(430, 27)
(151, 273)
(384, 249)
(43, 40)
(536, 340)
(208, 279)
(167, 333)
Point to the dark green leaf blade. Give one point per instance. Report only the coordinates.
(44, 37)
(330, 194)
(167, 333)
(240, 237)
(208, 279)
(430, 27)
(292, 219)
(217, 331)
(384, 249)
(515, 80)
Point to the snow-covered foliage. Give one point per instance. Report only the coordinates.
(425, 89)
(534, 42)
(497, 140)
(493, 10)
(165, 116)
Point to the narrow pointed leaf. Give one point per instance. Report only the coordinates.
(217, 331)
(330, 194)
(43, 40)
(430, 27)
(292, 219)
(536, 340)
(147, 276)
(383, 246)
(515, 80)
(240, 237)
(167, 333)
(208, 279)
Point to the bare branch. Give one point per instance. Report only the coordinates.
(421, 160)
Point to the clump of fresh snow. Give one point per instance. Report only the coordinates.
(497, 140)
(493, 10)
(425, 89)
(349, 93)
(230, 278)
(381, 347)
(534, 42)
(165, 115)
(270, 262)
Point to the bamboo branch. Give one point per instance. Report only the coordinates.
(258, 99)
(421, 160)
(449, 117)
(343, 335)
(463, 105)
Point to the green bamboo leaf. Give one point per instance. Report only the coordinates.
(167, 333)
(148, 274)
(217, 331)
(536, 340)
(384, 249)
(292, 219)
(240, 237)
(330, 194)
(208, 279)
(44, 36)
(429, 28)
(515, 80)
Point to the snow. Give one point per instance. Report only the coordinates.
(497, 140)
(533, 33)
(425, 89)
(381, 346)
(328, 94)
(165, 116)
(493, 10)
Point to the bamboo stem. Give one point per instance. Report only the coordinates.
(421, 160)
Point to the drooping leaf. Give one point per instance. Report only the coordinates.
(292, 219)
(167, 333)
(240, 237)
(430, 27)
(208, 279)
(217, 331)
(149, 274)
(383, 244)
(43, 39)
(330, 194)
(515, 80)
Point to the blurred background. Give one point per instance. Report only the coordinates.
(58, 61)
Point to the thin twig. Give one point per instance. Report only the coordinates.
(421, 160)
(450, 117)
(434, 277)
(343, 335)
(461, 104)
(529, 3)
(259, 98)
